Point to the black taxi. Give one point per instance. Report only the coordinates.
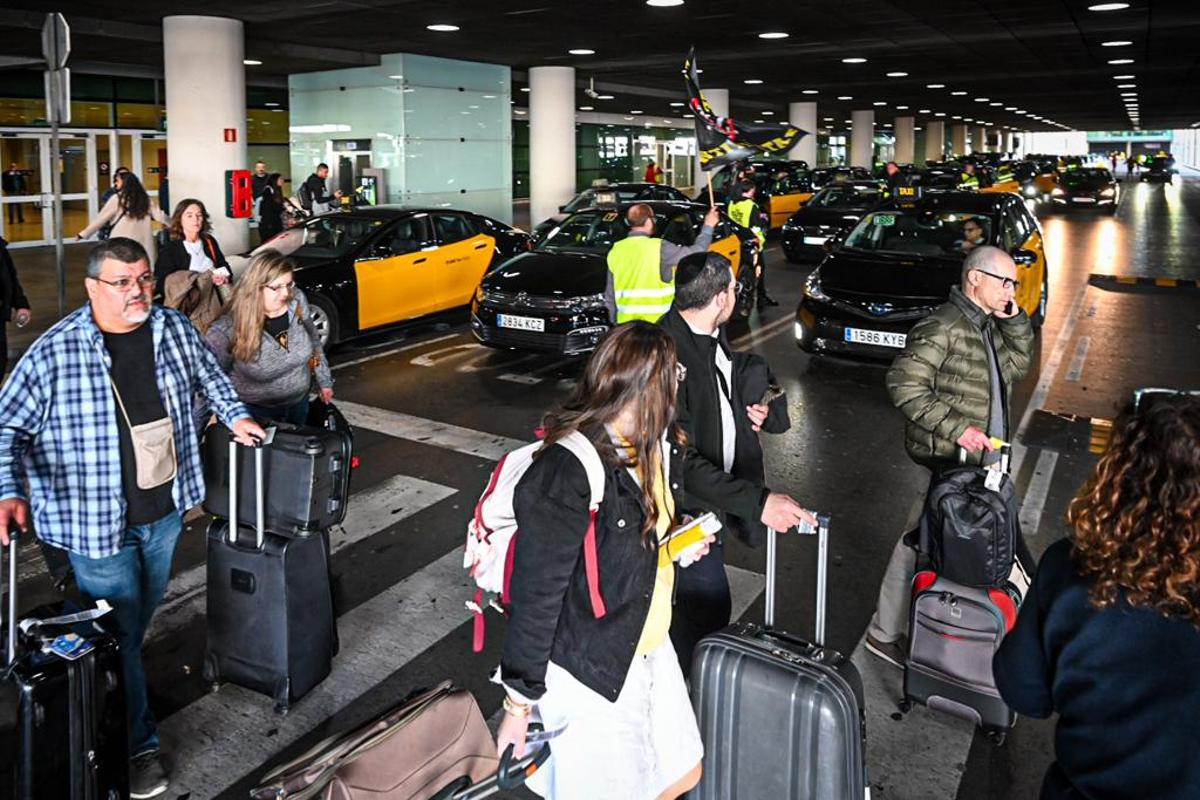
(376, 266)
(609, 194)
(899, 262)
(782, 186)
(832, 210)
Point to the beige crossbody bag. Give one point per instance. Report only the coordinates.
(153, 447)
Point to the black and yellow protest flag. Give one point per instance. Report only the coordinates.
(722, 140)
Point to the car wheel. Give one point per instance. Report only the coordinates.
(324, 316)
(1039, 316)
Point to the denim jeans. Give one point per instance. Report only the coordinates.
(133, 580)
(296, 413)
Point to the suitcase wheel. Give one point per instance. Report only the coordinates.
(905, 705)
(995, 736)
(283, 693)
(211, 672)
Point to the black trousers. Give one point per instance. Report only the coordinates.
(761, 289)
(15, 210)
(702, 604)
(3, 349)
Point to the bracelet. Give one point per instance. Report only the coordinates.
(514, 708)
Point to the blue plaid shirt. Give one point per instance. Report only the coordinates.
(58, 427)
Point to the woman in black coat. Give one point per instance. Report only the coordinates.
(192, 245)
(270, 208)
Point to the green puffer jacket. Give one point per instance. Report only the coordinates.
(940, 380)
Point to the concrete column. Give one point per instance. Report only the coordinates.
(804, 117)
(1006, 142)
(935, 140)
(905, 140)
(958, 139)
(979, 139)
(862, 138)
(206, 98)
(551, 140)
(719, 100)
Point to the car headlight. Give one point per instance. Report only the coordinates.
(1057, 192)
(812, 288)
(1030, 190)
(1108, 192)
(481, 294)
(592, 301)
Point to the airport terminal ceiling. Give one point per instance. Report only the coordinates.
(1053, 60)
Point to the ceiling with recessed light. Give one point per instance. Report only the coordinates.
(1058, 61)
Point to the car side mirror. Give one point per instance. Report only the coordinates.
(562, 209)
(1024, 257)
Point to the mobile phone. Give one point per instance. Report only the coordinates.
(772, 394)
(1008, 307)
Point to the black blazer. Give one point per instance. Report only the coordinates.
(270, 213)
(12, 296)
(739, 496)
(173, 257)
(552, 616)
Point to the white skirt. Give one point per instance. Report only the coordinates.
(628, 750)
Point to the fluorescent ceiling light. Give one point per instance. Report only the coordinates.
(935, 86)
(270, 105)
(995, 105)
(773, 35)
(879, 103)
(524, 88)
(940, 114)
(810, 91)
(1126, 85)
(604, 97)
(582, 51)
(519, 111)
(1108, 7)
(664, 3)
(924, 111)
(752, 81)
(830, 119)
(636, 111)
(676, 105)
(1010, 108)
(1117, 43)
(768, 113)
(958, 94)
(1115, 61)
(956, 116)
(586, 108)
(902, 108)
(982, 99)
(1123, 77)
(442, 28)
(897, 74)
(250, 62)
(854, 60)
(845, 97)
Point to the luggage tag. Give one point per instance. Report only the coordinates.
(69, 646)
(993, 480)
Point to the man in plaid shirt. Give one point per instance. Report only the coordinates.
(97, 418)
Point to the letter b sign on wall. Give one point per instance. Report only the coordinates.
(239, 194)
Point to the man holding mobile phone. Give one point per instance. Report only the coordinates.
(953, 383)
(724, 400)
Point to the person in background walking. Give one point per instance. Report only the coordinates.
(128, 214)
(268, 343)
(14, 184)
(117, 370)
(612, 681)
(260, 179)
(192, 245)
(272, 208)
(314, 197)
(1109, 633)
(14, 306)
(746, 213)
(654, 172)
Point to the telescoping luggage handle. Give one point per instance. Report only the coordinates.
(1005, 456)
(822, 533)
(10, 650)
(260, 523)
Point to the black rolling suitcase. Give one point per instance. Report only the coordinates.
(62, 723)
(307, 477)
(271, 626)
(780, 717)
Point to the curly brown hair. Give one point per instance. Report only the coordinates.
(1137, 519)
(176, 225)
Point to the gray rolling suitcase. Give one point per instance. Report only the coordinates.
(780, 717)
(271, 626)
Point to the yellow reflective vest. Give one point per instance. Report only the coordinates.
(635, 263)
(744, 212)
(967, 180)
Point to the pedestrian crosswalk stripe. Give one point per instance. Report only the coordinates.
(427, 431)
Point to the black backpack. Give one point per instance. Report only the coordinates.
(305, 196)
(969, 532)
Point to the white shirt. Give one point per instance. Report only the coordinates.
(201, 262)
(728, 430)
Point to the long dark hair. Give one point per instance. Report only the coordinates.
(132, 198)
(635, 366)
(1137, 519)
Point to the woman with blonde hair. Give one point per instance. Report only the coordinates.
(1109, 635)
(608, 679)
(268, 344)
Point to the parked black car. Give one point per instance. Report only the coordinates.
(836, 208)
(608, 195)
(552, 299)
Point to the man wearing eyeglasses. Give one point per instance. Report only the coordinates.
(973, 235)
(96, 417)
(953, 383)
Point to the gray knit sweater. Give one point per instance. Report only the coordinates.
(278, 377)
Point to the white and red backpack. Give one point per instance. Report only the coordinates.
(492, 532)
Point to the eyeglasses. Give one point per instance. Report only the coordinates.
(280, 287)
(143, 281)
(1007, 283)
(1150, 394)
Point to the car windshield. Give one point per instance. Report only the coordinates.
(844, 196)
(596, 231)
(590, 197)
(329, 236)
(930, 233)
(1082, 176)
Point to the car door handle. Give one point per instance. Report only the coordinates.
(481, 245)
(419, 260)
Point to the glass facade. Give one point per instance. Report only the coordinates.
(439, 129)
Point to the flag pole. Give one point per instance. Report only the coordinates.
(711, 200)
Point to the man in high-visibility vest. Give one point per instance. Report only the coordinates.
(968, 180)
(745, 212)
(641, 267)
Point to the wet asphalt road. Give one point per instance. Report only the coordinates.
(844, 455)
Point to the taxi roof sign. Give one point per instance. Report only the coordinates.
(606, 198)
(907, 196)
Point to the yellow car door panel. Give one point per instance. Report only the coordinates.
(395, 280)
(730, 247)
(465, 254)
(1032, 275)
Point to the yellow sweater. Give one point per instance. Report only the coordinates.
(658, 621)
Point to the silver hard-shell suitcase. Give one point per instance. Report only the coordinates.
(780, 717)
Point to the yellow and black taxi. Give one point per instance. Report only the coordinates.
(373, 267)
(552, 298)
(898, 264)
(609, 194)
(783, 186)
(1087, 187)
(823, 176)
(831, 211)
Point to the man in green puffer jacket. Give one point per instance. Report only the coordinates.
(953, 382)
